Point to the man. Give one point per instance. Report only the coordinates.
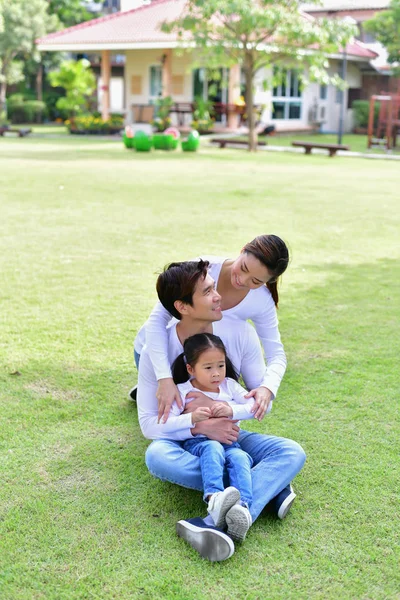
(187, 291)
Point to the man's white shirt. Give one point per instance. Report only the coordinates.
(242, 347)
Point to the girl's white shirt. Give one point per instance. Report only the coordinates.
(258, 306)
(230, 391)
(244, 350)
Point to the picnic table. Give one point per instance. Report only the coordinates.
(332, 148)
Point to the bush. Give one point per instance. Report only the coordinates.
(34, 111)
(361, 112)
(25, 111)
(93, 124)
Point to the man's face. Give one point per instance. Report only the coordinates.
(206, 301)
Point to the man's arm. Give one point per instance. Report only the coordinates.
(177, 427)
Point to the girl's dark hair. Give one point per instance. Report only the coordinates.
(193, 347)
(273, 253)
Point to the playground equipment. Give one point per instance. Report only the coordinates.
(384, 132)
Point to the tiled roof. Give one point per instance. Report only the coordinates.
(356, 48)
(338, 5)
(140, 25)
(135, 28)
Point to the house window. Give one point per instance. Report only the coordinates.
(155, 81)
(286, 97)
(323, 92)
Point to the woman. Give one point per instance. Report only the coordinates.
(248, 286)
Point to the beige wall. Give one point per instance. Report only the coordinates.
(138, 63)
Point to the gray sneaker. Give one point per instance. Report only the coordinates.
(220, 503)
(239, 522)
(208, 541)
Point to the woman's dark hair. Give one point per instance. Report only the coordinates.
(273, 253)
(193, 347)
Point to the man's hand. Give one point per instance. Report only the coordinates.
(201, 414)
(199, 399)
(262, 397)
(222, 430)
(221, 409)
(167, 393)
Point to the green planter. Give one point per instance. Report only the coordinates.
(191, 144)
(142, 142)
(128, 141)
(164, 141)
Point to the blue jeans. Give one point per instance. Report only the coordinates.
(276, 462)
(213, 458)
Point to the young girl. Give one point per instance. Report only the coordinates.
(204, 361)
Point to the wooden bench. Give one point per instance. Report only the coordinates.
(19, 132)
(332, 148)
(222, 142)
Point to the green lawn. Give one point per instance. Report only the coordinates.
(85, 227)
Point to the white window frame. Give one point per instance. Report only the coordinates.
(287, 99)
(152, 97)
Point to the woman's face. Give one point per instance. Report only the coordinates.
(247, 272)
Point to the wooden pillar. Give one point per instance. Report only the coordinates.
(166, 72)
(233, 94)
(105, 79)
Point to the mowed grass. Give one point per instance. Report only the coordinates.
(85, 228)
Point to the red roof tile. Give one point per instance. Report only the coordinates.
(135, 27)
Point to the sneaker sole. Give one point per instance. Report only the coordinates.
(133, 393)
(211, 544)
(231, 498)
(238, 524)
(286, 505)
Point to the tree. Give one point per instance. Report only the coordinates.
(386, 28)
(78, 81)
(71, 12)
(258, 34)
(21, 23)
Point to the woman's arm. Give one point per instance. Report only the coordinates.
(265, 321)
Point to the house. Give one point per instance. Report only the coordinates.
(376, 73)
(153, 67)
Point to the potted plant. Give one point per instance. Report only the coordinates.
(203, 120)
(162, 119)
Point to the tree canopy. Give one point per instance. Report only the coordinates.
(385, 26)
(258, 34)
(21, 23)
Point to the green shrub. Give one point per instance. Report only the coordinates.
(34, 111)
(361, 112)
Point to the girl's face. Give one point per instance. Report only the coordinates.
(248, 273)
(209, 371)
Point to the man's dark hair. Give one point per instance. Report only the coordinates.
(178, 282)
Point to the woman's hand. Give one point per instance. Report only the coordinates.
(221, 409)
(167, 393)
(262, 397)
(201, 414)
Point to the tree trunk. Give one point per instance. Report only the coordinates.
(249, 74)
(39, 83)
(3, 107)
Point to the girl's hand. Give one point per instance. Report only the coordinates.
(167, 393)
(262, 397)
(221, 409)
(201, 414)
